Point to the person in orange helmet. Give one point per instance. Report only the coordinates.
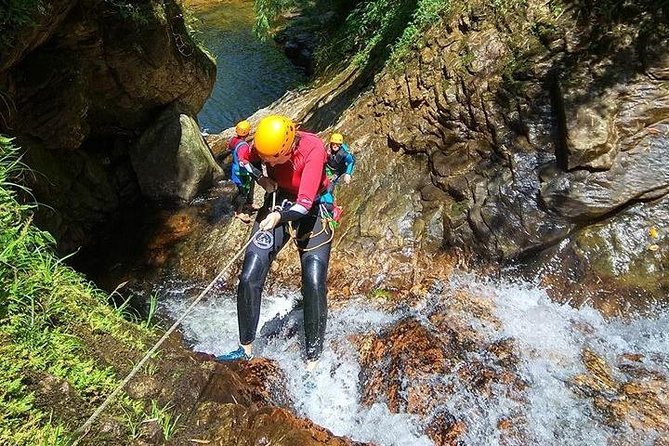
(240, 176)
(295, 162)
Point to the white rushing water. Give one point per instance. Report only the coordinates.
(549, 338)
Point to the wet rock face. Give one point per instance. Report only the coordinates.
(523, 149)
(614, 263)
(630, 154)
(420, 366)
(525, 146)
(629, 394)
(82, 90)
(485, 138)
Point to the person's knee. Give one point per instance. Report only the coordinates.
(314, 274)
(252, 270)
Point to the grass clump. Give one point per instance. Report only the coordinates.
(43, 306)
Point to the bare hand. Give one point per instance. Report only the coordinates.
(269, 222)
(268, 184)
(346, 178)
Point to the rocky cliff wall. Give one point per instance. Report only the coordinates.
(81, 81)
(539, 127)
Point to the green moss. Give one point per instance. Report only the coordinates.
(459, 208)
(43, 304)
(380, 294)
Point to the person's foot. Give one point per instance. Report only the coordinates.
(236, 355)
(311, 365)
(308, 383)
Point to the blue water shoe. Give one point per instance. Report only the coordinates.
(235, 355)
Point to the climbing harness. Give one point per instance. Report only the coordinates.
(328, 221)
(85, 428)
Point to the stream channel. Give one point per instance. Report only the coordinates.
(550, 340)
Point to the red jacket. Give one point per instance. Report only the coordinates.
(303, 176)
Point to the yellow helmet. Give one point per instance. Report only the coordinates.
(337, 138)
(243, 128)
(274, 136)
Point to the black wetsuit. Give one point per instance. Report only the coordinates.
(257, 262)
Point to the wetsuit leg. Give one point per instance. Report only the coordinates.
(315, 257)
(252, 279)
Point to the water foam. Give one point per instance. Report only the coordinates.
(549, 339)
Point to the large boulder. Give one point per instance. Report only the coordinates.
(171, 159)
(84, 79)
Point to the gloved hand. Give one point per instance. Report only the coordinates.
(268, 184)
(269, 222)
(346, 178)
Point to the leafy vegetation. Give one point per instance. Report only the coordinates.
(43, 306)
(166, 421)
(267, 12)
(16, 15)
(360, 28)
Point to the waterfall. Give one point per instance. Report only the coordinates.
(548, 338)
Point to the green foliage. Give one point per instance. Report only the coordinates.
(17, 15)
(363, 30)
(267, 12)
(428, 12)
(149, 323)
(42, 304)
(163, 417)
(382, 29)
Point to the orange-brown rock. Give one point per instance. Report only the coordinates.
(232, 424)
(411, 367)
(638, 400)
(402, 364)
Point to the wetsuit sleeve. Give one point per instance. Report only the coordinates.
(310, 182)
(246, 157)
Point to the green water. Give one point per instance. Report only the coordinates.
(250, 74)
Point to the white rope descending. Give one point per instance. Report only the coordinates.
(84, 429)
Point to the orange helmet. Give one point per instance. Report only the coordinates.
(243, 128)
(274, 136)
(337, 138)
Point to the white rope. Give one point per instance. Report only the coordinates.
(83, 430)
